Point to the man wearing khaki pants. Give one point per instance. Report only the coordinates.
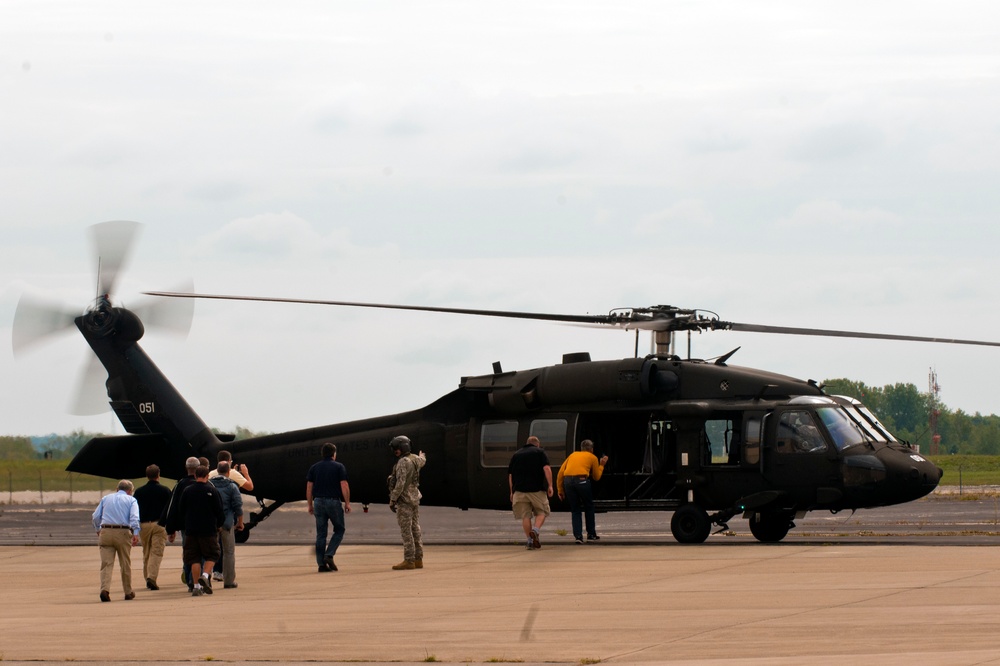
(116, 520)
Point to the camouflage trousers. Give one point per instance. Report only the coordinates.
(408, 517)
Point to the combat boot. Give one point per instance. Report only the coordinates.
(405, 564)
(418, 564)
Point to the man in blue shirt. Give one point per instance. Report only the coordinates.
(326, 488)
(116, 521)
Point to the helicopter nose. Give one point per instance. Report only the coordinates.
(914, 476)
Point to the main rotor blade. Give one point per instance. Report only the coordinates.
(579, 319)
(35, 320)
(174, 315)
(656, 318)
(111, 243)
(791, 330)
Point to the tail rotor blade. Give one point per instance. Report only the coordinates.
(112, 242)
(36, 320)
(168, 314)
(91, 395)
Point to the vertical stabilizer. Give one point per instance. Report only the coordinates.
(146, 403)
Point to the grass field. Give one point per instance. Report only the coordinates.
(51, 475)
(969, 470)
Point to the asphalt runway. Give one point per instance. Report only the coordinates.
(944, 518)
(914, 584)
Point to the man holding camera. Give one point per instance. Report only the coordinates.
(240, 475)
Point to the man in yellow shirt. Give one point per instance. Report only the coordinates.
(574, 483)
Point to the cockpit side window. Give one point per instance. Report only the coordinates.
(797, 433)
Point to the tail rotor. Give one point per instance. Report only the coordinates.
(37, 320)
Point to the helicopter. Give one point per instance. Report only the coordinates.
(704, 440)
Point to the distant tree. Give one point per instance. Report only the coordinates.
(246, 433)
(17, 448)
(955, 429)
(67, 446)
(240, 432)
(905, 405)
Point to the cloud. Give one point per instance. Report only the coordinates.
(837, 142)
(691, 212)
(833, 216)
(274, 238)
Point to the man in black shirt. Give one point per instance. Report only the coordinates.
(328, 497)
(530, 478)
(153, 499)
(202, 516)
(172, 521)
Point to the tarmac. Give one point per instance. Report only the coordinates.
(709, 604)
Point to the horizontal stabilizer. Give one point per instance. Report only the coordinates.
(127, 456)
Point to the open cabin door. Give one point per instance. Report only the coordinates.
(641, 447)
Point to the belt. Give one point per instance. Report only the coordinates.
(116, 527)
(582, 477)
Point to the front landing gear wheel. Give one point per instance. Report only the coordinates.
(690, 524)
(770, 526)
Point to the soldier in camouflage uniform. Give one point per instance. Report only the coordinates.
(404, 501)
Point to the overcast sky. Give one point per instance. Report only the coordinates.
(821, 164)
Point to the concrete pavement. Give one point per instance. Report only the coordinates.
(706, 604)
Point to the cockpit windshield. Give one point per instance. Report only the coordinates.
(842, 428)
(867, 413)
(866, 425)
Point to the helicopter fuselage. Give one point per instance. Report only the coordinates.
(686, 436)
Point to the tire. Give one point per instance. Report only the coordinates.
(770, 526)
(690, 524)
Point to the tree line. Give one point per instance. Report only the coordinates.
(903, 408)
(64, 447)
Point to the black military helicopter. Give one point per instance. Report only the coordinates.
(704, 439)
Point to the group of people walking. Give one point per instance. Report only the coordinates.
(207, 509)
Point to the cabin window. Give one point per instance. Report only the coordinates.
(498, 440)
(751, 448)
(719, 447)
(797, 433)
(552, 435)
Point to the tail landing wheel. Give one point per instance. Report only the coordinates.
(771, 526)
(690, 524)
(256, 518)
